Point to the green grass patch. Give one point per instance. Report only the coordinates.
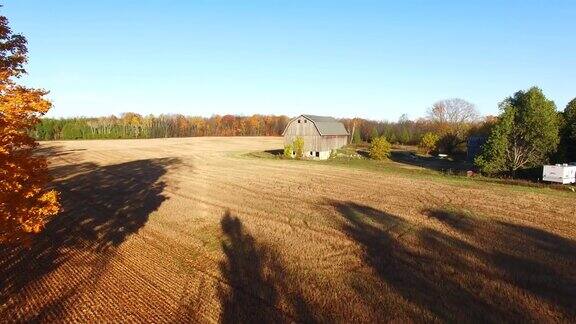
(348, 159)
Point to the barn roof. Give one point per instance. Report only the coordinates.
(327, 125)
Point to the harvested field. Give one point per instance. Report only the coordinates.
(191, 230)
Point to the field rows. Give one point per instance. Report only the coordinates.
(190, 230)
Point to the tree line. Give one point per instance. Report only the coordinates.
(528, 132)
(132, 125)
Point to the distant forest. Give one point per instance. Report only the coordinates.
(132, 125)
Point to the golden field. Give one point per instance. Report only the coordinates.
(194, 230)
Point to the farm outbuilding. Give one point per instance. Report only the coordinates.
(321, 135)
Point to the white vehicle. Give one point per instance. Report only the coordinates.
(560, 173)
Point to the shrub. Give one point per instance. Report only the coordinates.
(333, 154)
(380, 149)
(429, 142)
(298, 147)
(288, 151)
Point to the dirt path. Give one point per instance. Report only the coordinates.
(189, 230)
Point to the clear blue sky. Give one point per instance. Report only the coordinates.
(372, 59)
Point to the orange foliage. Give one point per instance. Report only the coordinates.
(25, 204)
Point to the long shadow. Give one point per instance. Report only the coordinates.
(404, 268)
(256, 281)
(538, 262)
(54, 150)
(101, 207)
(277, 152)
(490, 272)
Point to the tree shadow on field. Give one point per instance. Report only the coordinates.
(257, 281)
(535, 261)
(54, 150)
(101, 207)
(489, 271)
(277, 152)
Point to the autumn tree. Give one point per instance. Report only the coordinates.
(429, 142)
(25, 203)
(525, 135)
(451, 120)
(298, 146)
(132, 124)
(453, 115)
(380, 148)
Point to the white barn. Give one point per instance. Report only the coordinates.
(321, 135)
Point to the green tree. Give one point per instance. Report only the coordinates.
(374, 134)
(524, 136)
(404, 136)
(73, 130)
(391, 138)
(429, 142)
(568, 133)
(570, 116)
(380, 149)
(298, 147)
(356, 138)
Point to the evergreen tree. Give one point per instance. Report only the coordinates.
(356, 138)
(374, 134)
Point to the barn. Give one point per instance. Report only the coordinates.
(321, 135)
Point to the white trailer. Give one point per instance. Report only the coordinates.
(560, 173)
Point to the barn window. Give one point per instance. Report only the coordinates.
(311, 153)
(298, 121)
(317, 154)
(305, 120)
